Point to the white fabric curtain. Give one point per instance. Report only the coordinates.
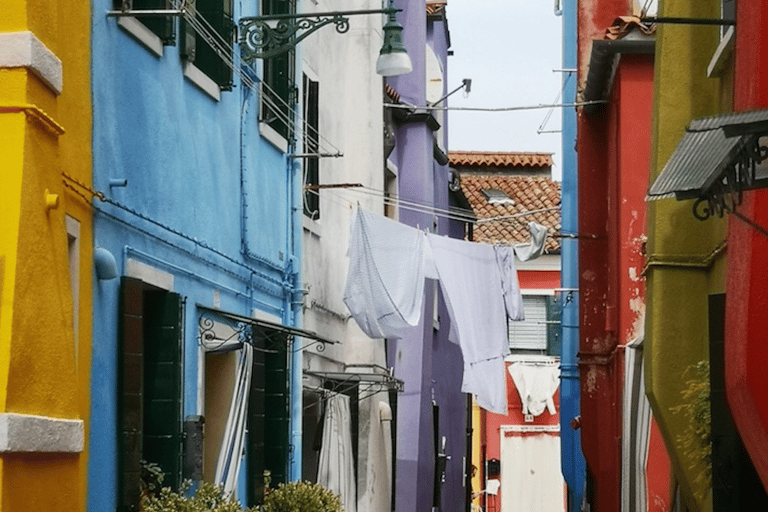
(231, 452)
(530, 473)
(336, 470)
(636, 424)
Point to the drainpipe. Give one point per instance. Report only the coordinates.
(294, 311)
(572, 458)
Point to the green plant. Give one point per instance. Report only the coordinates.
(301, 497)
(697, 436)
(207, 498)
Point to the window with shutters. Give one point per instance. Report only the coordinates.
(278, 86)
(311, 128)
(149, 387)
(208, 32)
(164, 27)
(268, 417)
(540, 331)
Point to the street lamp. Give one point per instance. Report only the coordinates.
(267, 36)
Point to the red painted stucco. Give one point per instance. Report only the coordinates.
(614, 152)
(539, 279)
(747, 280)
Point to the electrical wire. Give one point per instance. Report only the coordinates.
(541, 130)
(499, 109)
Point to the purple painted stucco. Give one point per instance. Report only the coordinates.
(429, 364)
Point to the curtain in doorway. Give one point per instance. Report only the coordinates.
(337, 467)
(531, 479)
(636, 426)
(231, 453)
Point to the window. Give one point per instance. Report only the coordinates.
(73, 253)
(540, 331)
(268, 415)
(311, 147)
(279, 91)
(497, 196)
(215, 15)
(149, 387)
(163, 27)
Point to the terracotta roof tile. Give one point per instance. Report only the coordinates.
(435, 6)
(623, 25)
(486, 158)
(529, 193)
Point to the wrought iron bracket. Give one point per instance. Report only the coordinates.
(725, 194)
(262, 37)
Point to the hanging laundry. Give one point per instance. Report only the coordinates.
(471, 283)
(526, 252)
(510, 286)
(385, 282)
(536, 385)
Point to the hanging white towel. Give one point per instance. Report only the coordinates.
(336, 471)
(510, 286)
(536, 385)
(525, 252)
(385, 282)
(471, 284)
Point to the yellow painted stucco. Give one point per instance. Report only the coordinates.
(685, 256)
(44, 362)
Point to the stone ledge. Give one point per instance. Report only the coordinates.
(25, 433)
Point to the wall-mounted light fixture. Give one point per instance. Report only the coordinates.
(263, 37)
(106, 266)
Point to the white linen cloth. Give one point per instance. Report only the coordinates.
(534, 249)
(471, 283)
(385, 282)
(231, 452)
(510, 286)
(536, 384)
(336, 471)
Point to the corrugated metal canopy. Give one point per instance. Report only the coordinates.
(705, 153)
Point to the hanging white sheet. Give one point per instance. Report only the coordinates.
(336, 470)
(385, 282)
(536, 384)
(230, 454)
(471, 283)
(535, 248)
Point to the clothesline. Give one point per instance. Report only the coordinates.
(451, 213)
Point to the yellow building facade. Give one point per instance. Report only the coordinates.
(45, 254)
(685, 256)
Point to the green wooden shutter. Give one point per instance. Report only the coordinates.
(311, 91)
(188, 50)
(218, 13)
(163, 26)
(130, 374)
(163, 383)
(279, 77)
(554, 331)
(256, 429)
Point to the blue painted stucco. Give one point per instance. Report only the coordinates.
(209, 201)
(573, 463)
(429, 364)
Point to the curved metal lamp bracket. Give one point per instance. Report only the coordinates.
(263, 37)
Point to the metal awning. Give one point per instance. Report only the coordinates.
(277, 334)
(717, 159)
(385, 381)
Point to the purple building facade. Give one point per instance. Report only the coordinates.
(431, 445)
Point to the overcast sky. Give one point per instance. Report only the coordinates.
(509, 48)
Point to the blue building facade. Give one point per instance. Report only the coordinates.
(198, 200)
(573, 464)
